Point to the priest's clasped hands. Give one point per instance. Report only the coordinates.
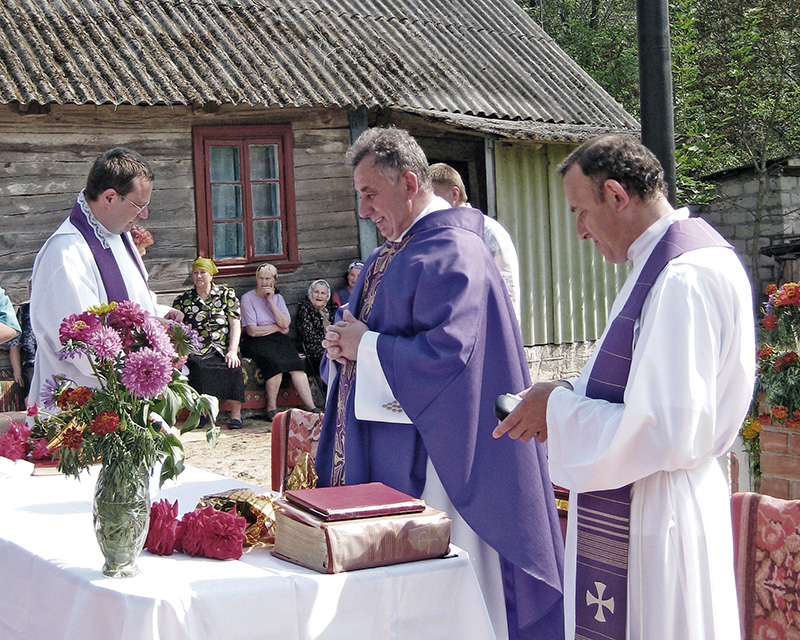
(342, 339)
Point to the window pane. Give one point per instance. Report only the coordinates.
(267, 237)
(264, 162)
(226, 202)
(224, 164)
(228, 241)
(266, 199)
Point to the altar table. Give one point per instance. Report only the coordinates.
(52, 587)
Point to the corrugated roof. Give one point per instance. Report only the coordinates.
(479, 58)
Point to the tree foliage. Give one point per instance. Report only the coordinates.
(600, 35)
(736, 73)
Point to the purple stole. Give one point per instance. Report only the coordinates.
(601, 581)
(347, 377)
(113, 282)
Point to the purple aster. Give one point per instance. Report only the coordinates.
(105, 343)
(184, 338)
(158, 337)
(51, 389)
(78, 326)
(147, 373)
(73, 350)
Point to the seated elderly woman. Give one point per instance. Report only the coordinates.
(314, 314)
(266, 320)
(213, 311)
(342, 296)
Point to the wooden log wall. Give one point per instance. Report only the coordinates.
(44, 160)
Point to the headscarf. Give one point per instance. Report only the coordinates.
(206, 264)
(314, 284)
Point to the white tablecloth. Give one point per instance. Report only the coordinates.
(51, 585)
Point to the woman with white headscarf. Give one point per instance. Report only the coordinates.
(314, 314)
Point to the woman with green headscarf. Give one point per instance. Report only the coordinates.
(213, 311)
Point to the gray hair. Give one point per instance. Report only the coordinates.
(269, 268)
(395, 153)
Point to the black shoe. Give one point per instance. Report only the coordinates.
(235, 424)
(271, 415)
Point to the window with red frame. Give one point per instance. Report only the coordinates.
(245, 203)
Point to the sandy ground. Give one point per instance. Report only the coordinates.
(243, 454)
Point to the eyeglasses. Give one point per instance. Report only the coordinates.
(139, 208)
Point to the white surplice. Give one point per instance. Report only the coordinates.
(689, 388)
(66, 280)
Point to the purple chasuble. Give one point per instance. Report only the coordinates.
(449, 344)
(601, 581)
(113, 281)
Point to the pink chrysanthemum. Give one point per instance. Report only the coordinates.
(106, 343)
(78, 326)
(158, 337)
(127, 314)
(147, 373)
(126, 319)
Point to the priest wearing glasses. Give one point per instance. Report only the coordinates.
(91, 259)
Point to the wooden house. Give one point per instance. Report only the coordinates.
(245, 109)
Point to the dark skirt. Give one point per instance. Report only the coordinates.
(210, 374)
(273, 354)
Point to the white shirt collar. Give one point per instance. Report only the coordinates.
(645, 243)
(437, 204)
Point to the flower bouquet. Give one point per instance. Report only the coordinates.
(777, 397)
(125, 422)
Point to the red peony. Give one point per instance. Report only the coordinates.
(779, 412)
(163, 528)
(80, 395)
(106, 422)
(223, 536)
(40, 450)
(73, 438)
(191, 539)
(11, 447)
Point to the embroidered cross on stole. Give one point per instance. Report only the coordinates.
(347, 375)
(601, 583)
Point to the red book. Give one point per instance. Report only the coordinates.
(351, 501)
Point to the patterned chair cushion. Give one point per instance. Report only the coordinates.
(766, 534)
(293, 432)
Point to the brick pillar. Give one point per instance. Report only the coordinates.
(780, 461)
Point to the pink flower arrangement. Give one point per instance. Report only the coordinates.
(203, 532)
(125, 419)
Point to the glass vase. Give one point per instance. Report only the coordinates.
(121, 512)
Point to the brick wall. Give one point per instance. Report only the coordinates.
(780, 462)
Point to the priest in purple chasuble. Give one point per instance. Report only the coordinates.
(427, 343)
(91, 259)
(636, 438)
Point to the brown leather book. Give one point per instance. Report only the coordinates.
(332, 546)
(354, 501)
